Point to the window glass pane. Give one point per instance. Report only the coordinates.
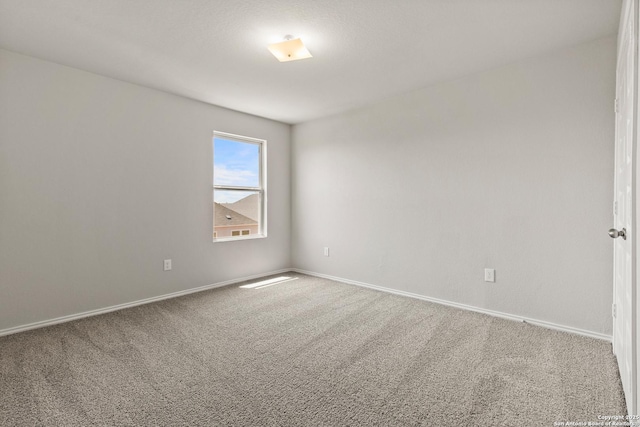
(236, 213)
(236, 163)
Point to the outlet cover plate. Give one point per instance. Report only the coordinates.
(489, 275)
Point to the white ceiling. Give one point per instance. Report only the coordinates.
(364, 50)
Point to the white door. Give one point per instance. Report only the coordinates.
(624, 209)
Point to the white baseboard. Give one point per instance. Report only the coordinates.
(544, 324)
(69, 318)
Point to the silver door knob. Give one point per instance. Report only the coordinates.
(615, 233)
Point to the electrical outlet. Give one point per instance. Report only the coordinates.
(489, 275)
(326, 251)
(167, 264)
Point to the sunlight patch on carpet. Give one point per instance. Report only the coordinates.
(269, 282)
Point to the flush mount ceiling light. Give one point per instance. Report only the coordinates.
(289, 50)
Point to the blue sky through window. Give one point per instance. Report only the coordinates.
(236, 164)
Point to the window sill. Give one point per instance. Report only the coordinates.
(236, 238)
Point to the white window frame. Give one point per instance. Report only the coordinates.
(261, 189)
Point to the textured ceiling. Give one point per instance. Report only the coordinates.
(364, 50)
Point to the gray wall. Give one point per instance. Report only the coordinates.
(510, 169)
(101, 180)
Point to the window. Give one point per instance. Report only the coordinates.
(239, 187)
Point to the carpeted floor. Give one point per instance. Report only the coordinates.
(307, 352)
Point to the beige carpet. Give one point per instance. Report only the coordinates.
(308, 352)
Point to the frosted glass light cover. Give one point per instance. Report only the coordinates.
(289, 50)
